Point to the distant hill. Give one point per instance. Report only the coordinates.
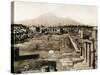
(49, 19)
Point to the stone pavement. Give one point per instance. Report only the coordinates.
(77, 66)
(81, 66)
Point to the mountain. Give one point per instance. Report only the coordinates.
(49, 20)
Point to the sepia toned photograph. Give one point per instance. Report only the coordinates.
(49, 37)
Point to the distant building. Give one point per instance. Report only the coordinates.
(52, 30)
(48, 30)
(33, 29)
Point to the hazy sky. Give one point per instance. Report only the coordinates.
(29, 10)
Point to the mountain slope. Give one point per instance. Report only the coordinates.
(49, 20)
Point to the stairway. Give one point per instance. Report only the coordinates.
(74, 44)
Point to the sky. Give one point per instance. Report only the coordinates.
(82, 13)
